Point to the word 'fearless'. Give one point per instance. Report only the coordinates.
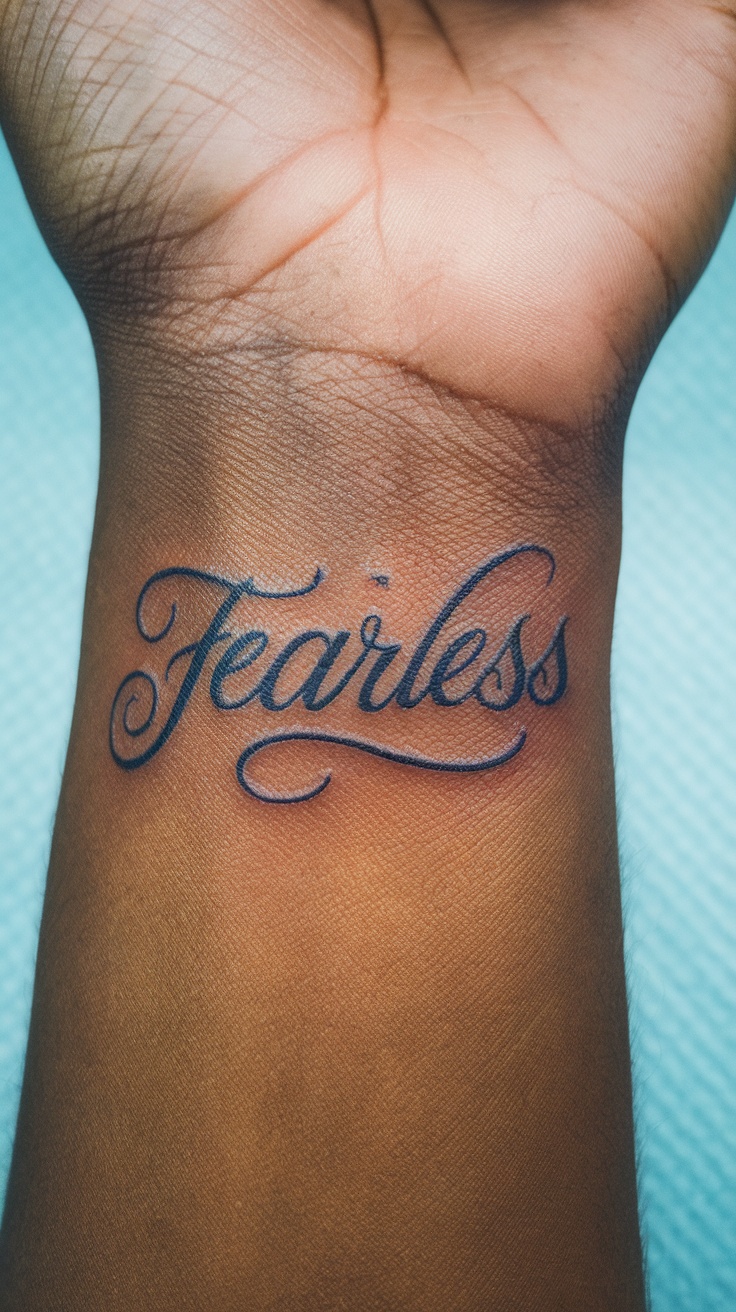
(447, 670)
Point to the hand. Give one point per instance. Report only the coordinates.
(510, 199)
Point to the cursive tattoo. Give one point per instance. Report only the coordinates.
(447, 667)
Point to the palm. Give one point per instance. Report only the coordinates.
(507, 198)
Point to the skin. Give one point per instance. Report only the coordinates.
(370, 287)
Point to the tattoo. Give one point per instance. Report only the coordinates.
(497, 682)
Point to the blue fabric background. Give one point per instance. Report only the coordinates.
(675, 721)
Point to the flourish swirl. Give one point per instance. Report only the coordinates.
(361, 745)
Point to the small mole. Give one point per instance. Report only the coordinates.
(381, 579)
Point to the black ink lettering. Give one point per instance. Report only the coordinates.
(241, 653)
(325, 663)
(369, 632)
(137, 720)
(510, 647)
(405, 692)
(267, 686)
(553, 681)
(213, 634)
(444, 670)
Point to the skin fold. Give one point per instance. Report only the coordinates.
(371, 287)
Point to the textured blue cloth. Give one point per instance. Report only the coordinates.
(674, 711)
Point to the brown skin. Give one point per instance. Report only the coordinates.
(368, 287)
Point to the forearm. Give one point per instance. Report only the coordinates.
(366, 1050)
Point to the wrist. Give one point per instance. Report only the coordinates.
(377, 501)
